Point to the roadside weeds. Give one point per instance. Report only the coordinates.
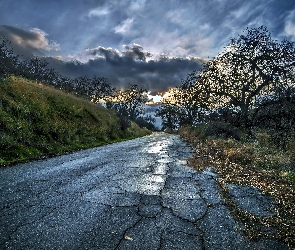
(256, 165)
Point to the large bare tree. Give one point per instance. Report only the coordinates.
(185, 104)
(252, 65)
(129, 104)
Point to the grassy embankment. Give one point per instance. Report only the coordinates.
(38, 121)
(256, 162)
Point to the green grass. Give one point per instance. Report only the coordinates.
(258, 162)
(38, 121)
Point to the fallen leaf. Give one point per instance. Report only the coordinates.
(128, 238)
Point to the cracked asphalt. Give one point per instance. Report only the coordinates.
(136, 194)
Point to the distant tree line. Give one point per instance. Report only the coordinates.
(129, 104)
(251, 84)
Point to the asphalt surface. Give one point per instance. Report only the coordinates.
(136, 194)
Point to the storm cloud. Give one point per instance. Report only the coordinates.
(28, 43)
(149, 42)
(132, 66)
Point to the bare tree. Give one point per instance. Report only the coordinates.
(193, 99)
(9, 62)
(169, 111)
(99, 89)
(252, 65)
(185, 104)
(276, 113)
(129, 104)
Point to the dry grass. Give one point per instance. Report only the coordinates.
(256, 163)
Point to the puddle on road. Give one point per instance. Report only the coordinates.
(152, 184)
(160, 169)
(148, 184)
(182, 162)
(165, 160)
(155, 149)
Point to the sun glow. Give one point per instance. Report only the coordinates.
(155, 98)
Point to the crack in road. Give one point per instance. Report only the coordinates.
(135, 194)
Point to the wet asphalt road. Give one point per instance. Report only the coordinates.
(136, 194)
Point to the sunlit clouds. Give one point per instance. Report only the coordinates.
(151, 43)
(29, 42)
(41, 42)
(125, 27)
(290, 25)
(100, 11)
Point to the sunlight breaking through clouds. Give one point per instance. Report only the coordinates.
(93, 33)
(290, 25)
(42, 42)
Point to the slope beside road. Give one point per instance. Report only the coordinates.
(136, 194)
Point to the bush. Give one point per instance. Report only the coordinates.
(142, 123)
(222, 130)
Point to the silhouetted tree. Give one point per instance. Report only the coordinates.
(129, 104)
(35, 69)
(276, 113)
(146, 121)
(169, 115)
(100, 88)
(9, 62)
(192, 98)
(251, 66)
(185, 104)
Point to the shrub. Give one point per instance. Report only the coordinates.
(222, 130)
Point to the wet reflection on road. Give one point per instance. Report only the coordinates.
(131, 195)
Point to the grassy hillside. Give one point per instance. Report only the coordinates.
(38, 121)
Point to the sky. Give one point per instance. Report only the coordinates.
(152, 43)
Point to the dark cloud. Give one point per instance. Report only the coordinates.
(88, 30)
(110, 55)
(27, 43)
(131, 67)
(19, 40)
(136, 52)
(179, 28)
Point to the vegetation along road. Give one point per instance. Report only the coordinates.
(136, 194)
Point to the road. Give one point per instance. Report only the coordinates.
(136, 194)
